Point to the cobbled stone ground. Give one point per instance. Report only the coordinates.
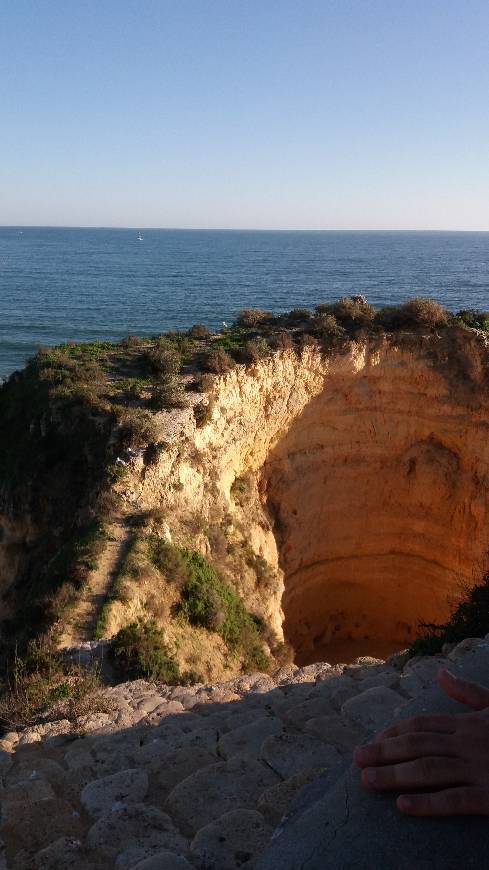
(192, 777)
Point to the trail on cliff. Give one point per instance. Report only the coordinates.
(81, 626)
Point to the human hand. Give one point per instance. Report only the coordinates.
(448, 754)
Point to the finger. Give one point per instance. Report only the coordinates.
(421, 773)
(472, 694)
(449, 802)
(403, 748)
(439, 724)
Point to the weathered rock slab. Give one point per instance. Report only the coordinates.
(231, 841)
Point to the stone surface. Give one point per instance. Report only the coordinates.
(177, 766)
(163, 860)
(185, 792)
(232, 840)
(374, 708)
(216, 790)
(26, 826)
(273, 803)
(247, 740)
(67, 853)
(334, 731)
(346, 827)
(289, 754)
(125, 787)
(135, 832)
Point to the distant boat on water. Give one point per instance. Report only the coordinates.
(140, 238)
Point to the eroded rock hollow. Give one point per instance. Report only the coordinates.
(379, 493)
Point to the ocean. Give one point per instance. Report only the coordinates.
(60, 285)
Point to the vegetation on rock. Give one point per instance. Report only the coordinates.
(139, 650)
(469, 619)
(40, 686)
(67, 419)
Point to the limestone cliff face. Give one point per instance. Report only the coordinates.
(367, 485)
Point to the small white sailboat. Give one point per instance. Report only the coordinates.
(140, 238)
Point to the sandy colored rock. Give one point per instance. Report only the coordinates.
(177, 766)
(134, 833)
(26, 825)
(103, 795)
(290, 754)
(247, 740)
(299, 714)
(231, 841)
(343, 735)
(274, 802)
(374, 708)
(216, 790)
(29, 791)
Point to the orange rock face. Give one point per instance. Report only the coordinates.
(380, 487)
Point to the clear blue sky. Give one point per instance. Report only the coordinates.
(245, 113)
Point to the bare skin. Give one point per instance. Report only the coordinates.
(446, 757)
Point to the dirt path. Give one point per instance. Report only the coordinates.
(81, 626)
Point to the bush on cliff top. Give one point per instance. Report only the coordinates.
(416, 312)
(473, 319)
(218, 361)
(470, 619)
(349, 312)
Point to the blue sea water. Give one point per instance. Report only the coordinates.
(61, 285)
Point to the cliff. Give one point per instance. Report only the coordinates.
(342, 494)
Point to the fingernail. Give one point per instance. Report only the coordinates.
(404, 803)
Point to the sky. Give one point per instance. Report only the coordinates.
(285, 114)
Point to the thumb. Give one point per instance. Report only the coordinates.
(472, 694)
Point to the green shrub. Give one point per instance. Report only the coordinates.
(470, 619)
(218, 361)
(169, 559)
(138, 428)
(297, 315)
(249, 317)
(163, 360)
(417, 312)
(282, 341)
(474, 319)
(351, 313)
(328, 330)
(199, 330)
(139, 650)
(42, 687)
(209, 602)
(169, 393)
(254, 350)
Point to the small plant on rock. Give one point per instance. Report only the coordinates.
(199, 330)
(254, 350)
(218, 361)
(139, 650)
(250, 317)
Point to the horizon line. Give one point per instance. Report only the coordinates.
(238, 229)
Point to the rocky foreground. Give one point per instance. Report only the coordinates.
(174, 778)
